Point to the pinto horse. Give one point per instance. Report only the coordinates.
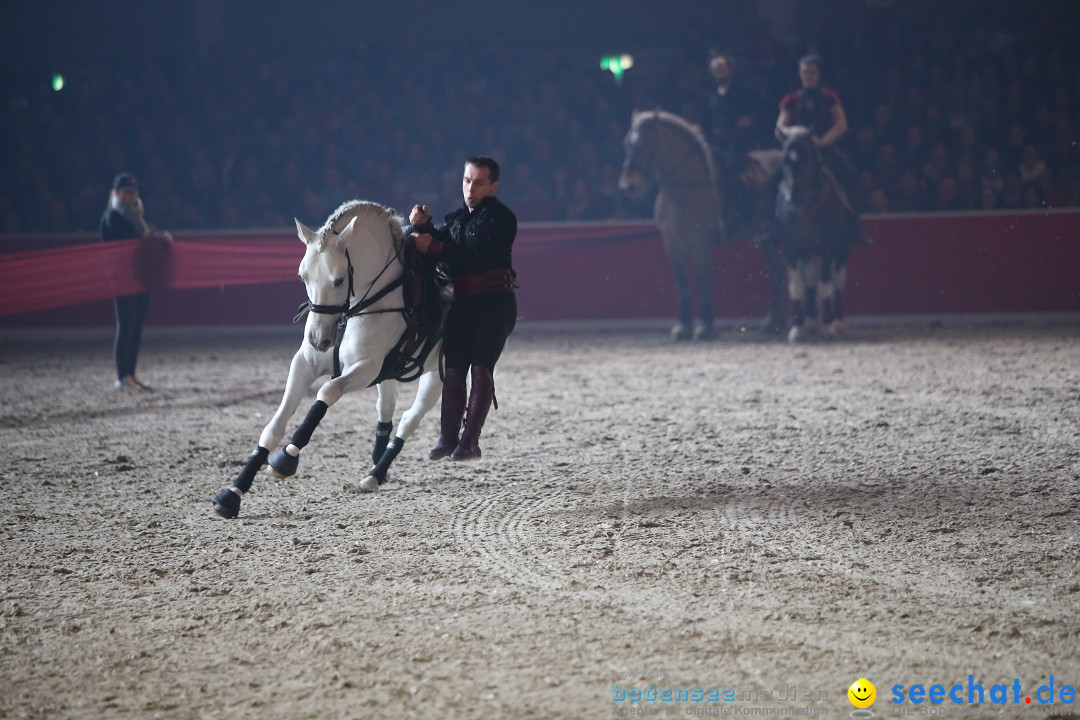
(816, 232)
(354, 273)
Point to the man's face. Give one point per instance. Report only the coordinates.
(810, 75)
(476, 185)
(721, 70)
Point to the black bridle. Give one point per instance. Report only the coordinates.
(345, 311)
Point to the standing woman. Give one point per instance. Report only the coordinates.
(123, 220)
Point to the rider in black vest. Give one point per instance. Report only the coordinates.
(737, 124)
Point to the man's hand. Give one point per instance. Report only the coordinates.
(420, 215)
(422, 241)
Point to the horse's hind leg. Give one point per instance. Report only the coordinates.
(427, 394)
(802, 289)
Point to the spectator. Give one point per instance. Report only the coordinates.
(992, 171)
(124, 220)
(1033, 171)
(910, 194)
(948, 199)
(877, 202)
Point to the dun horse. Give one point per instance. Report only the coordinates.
(356, 330)
(665, 151)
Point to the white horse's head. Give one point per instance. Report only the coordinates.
(343, 261)
(325, 271)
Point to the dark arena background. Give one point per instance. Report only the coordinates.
(739, 526)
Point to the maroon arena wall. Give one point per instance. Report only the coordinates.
(919, 264)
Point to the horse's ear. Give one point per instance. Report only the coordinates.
(346, 231)
(306, 234)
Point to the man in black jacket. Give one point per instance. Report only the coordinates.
(476, 244)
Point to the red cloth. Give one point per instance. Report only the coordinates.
(92, 270)
(58, 277)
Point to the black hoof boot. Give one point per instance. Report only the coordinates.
(282, 464)
(227, 504)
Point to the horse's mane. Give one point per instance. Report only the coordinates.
(361, 210)
(686, 129)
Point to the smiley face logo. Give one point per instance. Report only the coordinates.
(862, 693)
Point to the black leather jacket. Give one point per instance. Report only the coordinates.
(470, 242)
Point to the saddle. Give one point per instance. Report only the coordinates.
(428, 293)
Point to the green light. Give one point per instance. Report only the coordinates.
(617, 65)
(57, 82)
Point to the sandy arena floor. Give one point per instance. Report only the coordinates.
(903, 506)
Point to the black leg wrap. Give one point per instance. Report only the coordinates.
(392, 449)
(382, 437)
(315, 415)
(227, 502)
(283, 463)
(251, 469)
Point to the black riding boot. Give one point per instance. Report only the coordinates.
(480, 397)
(453, 408)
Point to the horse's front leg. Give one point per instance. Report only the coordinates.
(384, 409)
(825, 293)
(797, 294)
(839, 280)
(302, 373)
(427, 394)
(704, 280)
(683, 330)
(285, 461)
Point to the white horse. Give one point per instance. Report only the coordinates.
(353, 270)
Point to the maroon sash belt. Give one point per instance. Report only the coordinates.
(485, 281)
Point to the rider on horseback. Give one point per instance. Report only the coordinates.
(736, 125)
(818, 108)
